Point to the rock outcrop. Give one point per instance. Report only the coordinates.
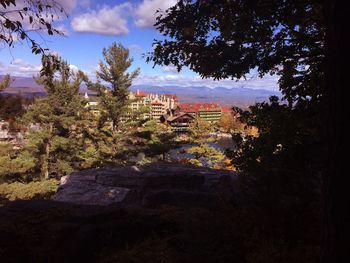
(117, 213)
(150, 185)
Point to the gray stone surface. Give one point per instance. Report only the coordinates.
(146, 185)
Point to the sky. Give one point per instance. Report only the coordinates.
(94, 25)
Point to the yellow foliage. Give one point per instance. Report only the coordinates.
(252, 131)
(228, 123)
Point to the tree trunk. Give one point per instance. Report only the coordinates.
(44, 168)
(46, 156)
(335, 245)
(113, 127)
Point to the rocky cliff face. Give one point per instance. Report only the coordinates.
(161, 212)
(150, 186)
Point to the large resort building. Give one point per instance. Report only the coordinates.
(92, 103)
(166, 108)
(158, 104)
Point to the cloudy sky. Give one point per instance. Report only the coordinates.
(93, 25)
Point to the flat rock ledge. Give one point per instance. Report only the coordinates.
(150, 185)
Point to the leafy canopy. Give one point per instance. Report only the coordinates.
(19, 19)
(228, 39)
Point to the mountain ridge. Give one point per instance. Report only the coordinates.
(237, 96)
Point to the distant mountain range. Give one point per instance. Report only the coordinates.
(241, 97)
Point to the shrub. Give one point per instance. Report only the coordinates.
(32, 190)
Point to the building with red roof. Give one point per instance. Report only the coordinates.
(226, 110)
(207, 111)
(139, 93)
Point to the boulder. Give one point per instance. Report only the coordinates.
(141, 186)
(180, 198)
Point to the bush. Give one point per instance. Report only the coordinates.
(15, 165)
(32, 190)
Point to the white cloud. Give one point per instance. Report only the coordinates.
(19, 67)
(172, 77)
(107, 20)
(114, 20)
(170, 69)
(18, 62)
(73, 68)
(146, 12)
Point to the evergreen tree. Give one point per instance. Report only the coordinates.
(205, 155)
(14, 164)
(114, 100)
(159, 140)
(199, 129)
(108, 142)
(11, 107)
(55, 142)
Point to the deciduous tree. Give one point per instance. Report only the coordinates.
(20, 18)
(227, 39)
(229, 123)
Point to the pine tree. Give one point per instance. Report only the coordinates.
(14, 164)
(108, 142)
(114, 99)
(200, 128)
(56, 142)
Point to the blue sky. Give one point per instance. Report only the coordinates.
(93, 25)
